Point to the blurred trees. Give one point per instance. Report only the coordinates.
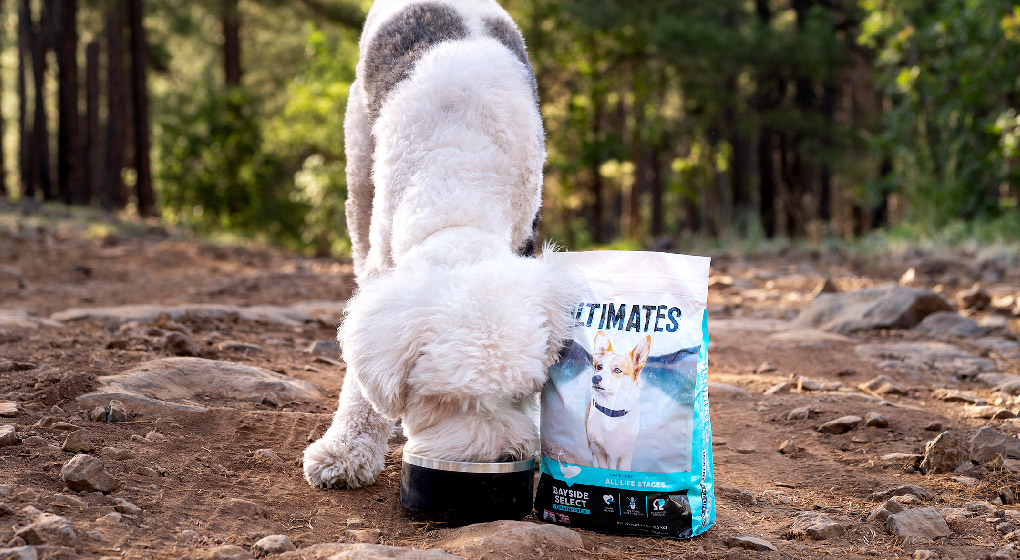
(665, 119)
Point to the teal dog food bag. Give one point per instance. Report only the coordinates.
(626, 438)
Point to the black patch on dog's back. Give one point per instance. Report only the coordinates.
(506, 33)
(528, 249)
(400, 43)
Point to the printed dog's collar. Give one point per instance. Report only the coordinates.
(609, 412)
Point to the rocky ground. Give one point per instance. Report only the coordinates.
(862, 407)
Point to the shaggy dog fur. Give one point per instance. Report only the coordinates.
(453, 324)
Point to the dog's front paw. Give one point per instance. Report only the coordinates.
(336, 462)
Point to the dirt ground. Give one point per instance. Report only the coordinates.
(185, 477)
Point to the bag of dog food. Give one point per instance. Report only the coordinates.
(626, 439)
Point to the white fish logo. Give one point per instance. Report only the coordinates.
(569, 471)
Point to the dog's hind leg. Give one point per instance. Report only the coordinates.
(352, 452)
(358, 148)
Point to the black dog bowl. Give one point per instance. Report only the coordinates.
(461, 493)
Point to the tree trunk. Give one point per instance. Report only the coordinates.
(828, 108)
(766, 163)
(93, 155)
(25, 174)
(231, 43)
(3, 161)
(65, 37)
(657, 190)
(40, 128)
(113, 195)
(140, 98)
(801, 172)
(597, 198)
(631, 211)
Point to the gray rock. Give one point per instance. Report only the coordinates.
(840, 425)
(807, 384)
(882, 385)
(789, 447)
(114, 411)
(988, 444)
(903, 490)
(8, 436)
(806, 337)
(78, 442)
(112, 517)
(237, 508)
(19, 320)
(900, 460)
(918, 524)
(124, 506)
(223, 552)
(475, 541)
(85, 472)
(161, 382)
(329, 312)
(876, 420)
(765, 367)
(65, 500)
(191, 312)
(882, 512)
(780, 388)
(952, 324)
(749, 543)
(370, 536)
(273, 544)
(950, 395)
(240, 346)
(815, 525)
(1007, 349)
(269, 454)
(19, 553)
(987, 412)
(891, 307)
(11, 365)
(189, 535)
(1001, 382)
(939, 357)
(799, 413)
(735, 494)
(974, 297)
(943, 454)
(1005, 553)
(9, 410)
(49, 529)
(324, 348)
(718, 390)
(351, 551)
(177, 344)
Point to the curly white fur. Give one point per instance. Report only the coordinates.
(450, 329)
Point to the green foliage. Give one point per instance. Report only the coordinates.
(215, 171)
(950, 71)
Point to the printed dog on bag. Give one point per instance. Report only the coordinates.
(612, 421)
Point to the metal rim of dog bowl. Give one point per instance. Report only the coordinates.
(458, 466)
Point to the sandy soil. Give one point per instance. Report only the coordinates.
(186, 479)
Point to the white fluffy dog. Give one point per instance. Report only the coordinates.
(453, 324)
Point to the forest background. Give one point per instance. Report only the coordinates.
(668, 122)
